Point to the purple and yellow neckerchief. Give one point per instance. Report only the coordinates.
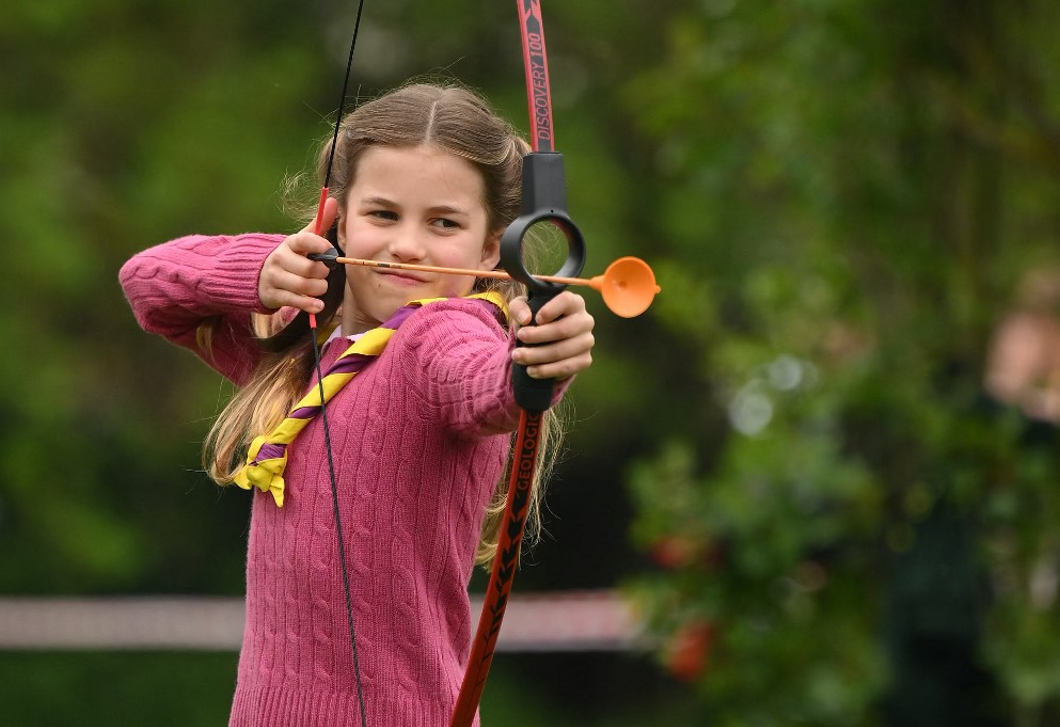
(267, 456)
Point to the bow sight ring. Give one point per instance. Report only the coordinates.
(544, 199)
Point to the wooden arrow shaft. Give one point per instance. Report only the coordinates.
(496, 274)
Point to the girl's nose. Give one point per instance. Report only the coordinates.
(406, 245)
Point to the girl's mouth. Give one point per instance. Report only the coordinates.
(401, 278)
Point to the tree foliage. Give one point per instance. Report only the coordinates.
(868, 181)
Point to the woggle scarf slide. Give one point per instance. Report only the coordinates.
(628, 287)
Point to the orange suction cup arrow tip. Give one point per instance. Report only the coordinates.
(627, 286)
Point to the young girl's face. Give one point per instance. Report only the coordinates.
(415, 205)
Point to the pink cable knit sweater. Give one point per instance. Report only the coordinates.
(420, 439)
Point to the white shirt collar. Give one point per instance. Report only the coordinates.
(337, 333)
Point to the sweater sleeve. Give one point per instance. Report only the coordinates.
(456, 359)
(176, 287)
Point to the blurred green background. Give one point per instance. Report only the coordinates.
(791, 463)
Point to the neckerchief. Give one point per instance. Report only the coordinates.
(267, 456)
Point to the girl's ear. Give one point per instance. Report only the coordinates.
(491, 251)
(337, 234)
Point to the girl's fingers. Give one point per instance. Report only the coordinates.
(519, 311)
(280, 289)
(288, 282)
(561, 369)
(306, 243)
(301, 302)
(561, 342)
(566, 348)
(566, 304)
(287, 278)
(294, 258)
(569, 326)
(557, 360)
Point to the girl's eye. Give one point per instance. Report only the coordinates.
(384, 215)
(446, 223)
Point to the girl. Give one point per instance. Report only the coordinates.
(420, 436)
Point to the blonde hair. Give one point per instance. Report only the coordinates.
(454, 120)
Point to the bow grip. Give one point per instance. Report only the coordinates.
(530, 393)
(544, 200)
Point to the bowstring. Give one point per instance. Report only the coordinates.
(338, 527)
(342, 98)
(320, 386)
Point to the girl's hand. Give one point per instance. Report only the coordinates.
(289, 277)
(562, 339)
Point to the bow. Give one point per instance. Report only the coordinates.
(543, 201)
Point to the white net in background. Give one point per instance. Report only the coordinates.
(548, 622)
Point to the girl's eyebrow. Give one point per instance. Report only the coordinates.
(443, 209)
(378, 202)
